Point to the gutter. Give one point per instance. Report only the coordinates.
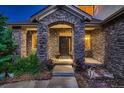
(22, 24)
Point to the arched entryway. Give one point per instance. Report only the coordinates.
(61, 16)
(61, 42)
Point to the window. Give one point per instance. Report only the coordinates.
(34, 41)
(87, 42)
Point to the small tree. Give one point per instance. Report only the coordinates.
(7, 45)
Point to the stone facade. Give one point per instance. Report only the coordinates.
(107, 45)
(115, 46)
(61, 16)
(53, 40)
(23, 42)
(17, 37)
(98, 44)
(53, 45)
(20, 37)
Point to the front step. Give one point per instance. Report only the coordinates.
(63, 63)
(63, 70)
(63, 74)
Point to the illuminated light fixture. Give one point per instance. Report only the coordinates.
(86, 38)
(89, 28)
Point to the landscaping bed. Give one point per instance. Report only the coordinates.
(28, 68)
(46, 75)
(81, 80)
(85, 82)
(14, 68)
(99, 82)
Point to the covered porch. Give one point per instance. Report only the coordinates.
(62, 34)
(62, 53)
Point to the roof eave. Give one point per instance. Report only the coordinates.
(45, 10)
(54, 8)
(113, 16)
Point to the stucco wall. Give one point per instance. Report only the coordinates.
(103, 11)
(98, 44)
(115, 46)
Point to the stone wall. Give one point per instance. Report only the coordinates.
(53, 40)
(20, 37)
(61, 16)
(115, 46)
(98, 44)
(17, 37)
(53, 44)
(23, 42)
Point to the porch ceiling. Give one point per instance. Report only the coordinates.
(61, 26)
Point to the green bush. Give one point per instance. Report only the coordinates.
(29, 64)
(1, 67)
(49, 64)
(26, 65)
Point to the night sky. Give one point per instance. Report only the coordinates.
(20, 13)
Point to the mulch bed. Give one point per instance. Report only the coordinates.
(84, 82)
(81, 80)
(26, 77)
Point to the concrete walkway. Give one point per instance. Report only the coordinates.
(63, 77)
(27, 84)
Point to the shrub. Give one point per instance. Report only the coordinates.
(27, 65)
(79, 66)
(46, 65)
(49, 64)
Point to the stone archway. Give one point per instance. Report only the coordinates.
(61, 16)
(60, 40)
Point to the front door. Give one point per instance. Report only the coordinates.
(64, 45)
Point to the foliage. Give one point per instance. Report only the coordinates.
(30, 65)
(27, 64)
(80, 66)
(7, 45)
(3, 20)
(49, 64)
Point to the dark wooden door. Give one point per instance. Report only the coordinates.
(64, 45)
